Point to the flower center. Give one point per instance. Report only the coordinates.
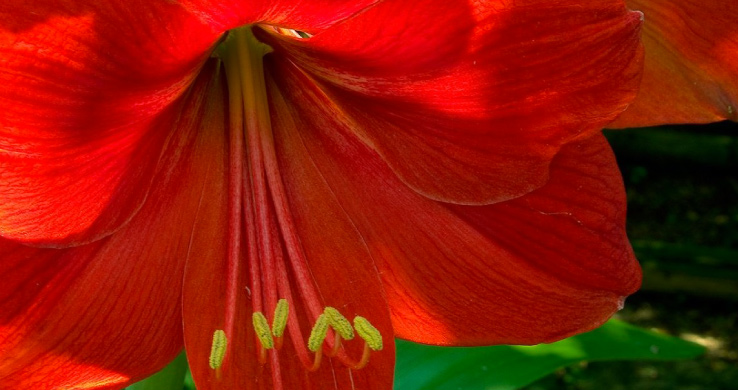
(258, 201)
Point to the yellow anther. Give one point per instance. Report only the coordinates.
(317, 335)
(261, 327)
(280, 317)
(339, 323)
(218, 350)
(368, 332)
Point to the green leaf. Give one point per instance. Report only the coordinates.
(503, 367)
(170, 378)
(189, 384)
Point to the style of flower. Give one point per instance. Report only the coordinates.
(283, 187)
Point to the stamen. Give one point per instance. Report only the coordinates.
(261, 328)
(372, 340)
(279, 323)
(285, 221)
(339, 323)
(259, 197)
(315, 341)
(271, 208)
(248, 53)
(317, 335)
(280, 317)
(368, 332)
(235, 188)
(218, 349)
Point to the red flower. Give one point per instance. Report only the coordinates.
(433, 167)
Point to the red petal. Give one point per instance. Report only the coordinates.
(312, 15)
(539, 268)
(535, 269)
(86, 101)
(691, 63)
(468, 104)
(341, 267)
(108, 313)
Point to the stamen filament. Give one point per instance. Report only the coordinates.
(268, 263)
(257, 117)
(262, 166)
(292, 322)
(253, 250)
(372, 340)
(364, 358)
(262, 355)
(315, 342)
(304, 278)
(336, 345)
(253, 258)
(235, 188)
(249, 62)
(316, 361)
(249, 53)
(277, 383)
(258, 199)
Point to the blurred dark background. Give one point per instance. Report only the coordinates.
(682, 184)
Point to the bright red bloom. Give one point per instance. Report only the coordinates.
(433, 166)
(691, 68)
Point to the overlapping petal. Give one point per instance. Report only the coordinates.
(105, 314)
(310, 15)
(87, 86)
(534, 269)
(461, 112)
(691, 68)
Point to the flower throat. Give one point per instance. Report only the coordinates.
(258, 201)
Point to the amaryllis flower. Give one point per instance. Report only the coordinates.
(691, 67)
(176, 172)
